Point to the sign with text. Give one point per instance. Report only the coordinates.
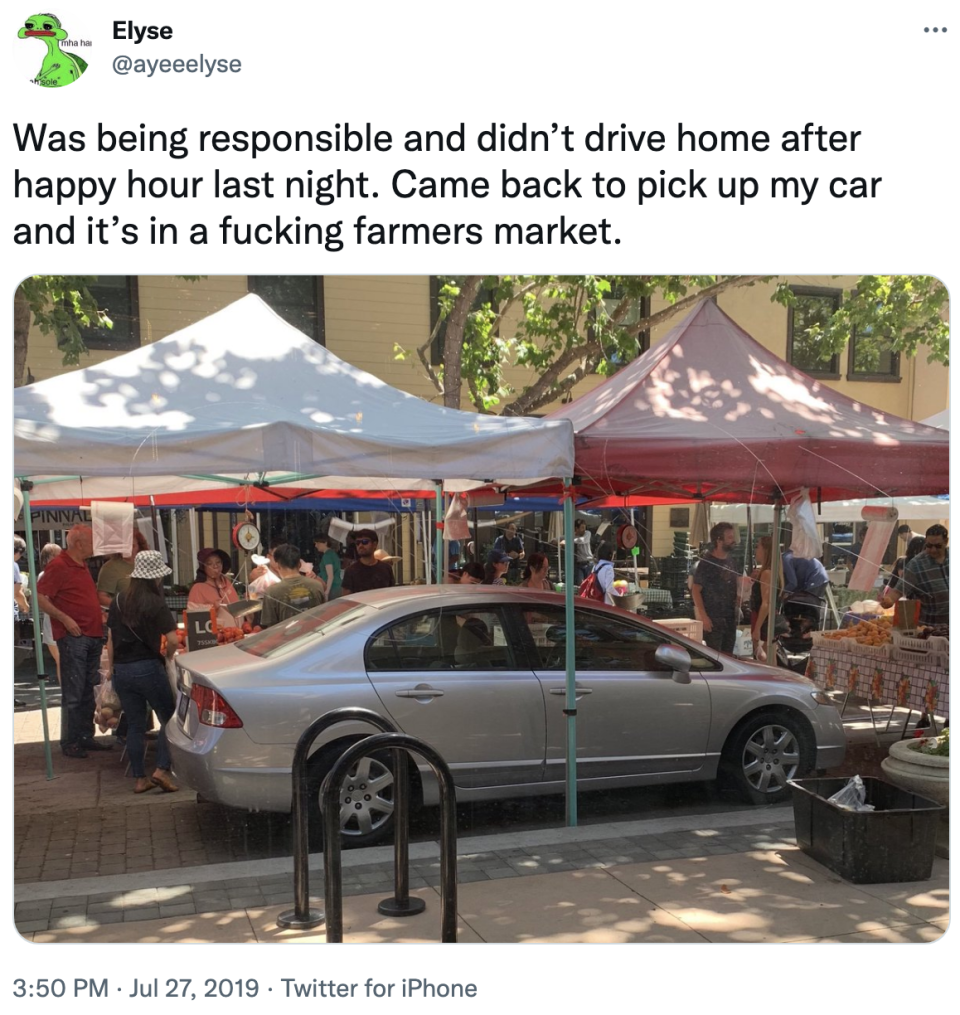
(201, 626)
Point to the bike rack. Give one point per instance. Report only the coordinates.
(302, 917)
(330, 806)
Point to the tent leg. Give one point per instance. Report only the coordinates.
(25, 487)
(774, 584)
(438, 533)
(571, 657)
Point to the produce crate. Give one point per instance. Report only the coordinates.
(872, 651)
(909, 642)
(894, 842)
(692, 629)
(820, 640)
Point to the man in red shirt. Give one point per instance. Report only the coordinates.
(67, 593)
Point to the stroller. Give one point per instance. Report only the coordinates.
(802, 613)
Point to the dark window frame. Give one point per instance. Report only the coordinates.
(859, 375)
(320, 337)
(109, 339)
(832, 371)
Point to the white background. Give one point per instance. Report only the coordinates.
(750, 66)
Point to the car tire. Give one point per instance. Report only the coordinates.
(765, 751)
(366, 798)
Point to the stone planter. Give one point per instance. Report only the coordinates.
(925, 774)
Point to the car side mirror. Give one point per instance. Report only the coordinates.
(676, 659)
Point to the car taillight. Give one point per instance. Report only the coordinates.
(213, 708)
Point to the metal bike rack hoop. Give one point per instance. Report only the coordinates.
(302, 917)
(400, 743)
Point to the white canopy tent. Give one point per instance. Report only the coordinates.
(243, 397)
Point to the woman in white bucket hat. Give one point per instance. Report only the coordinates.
(138, 621)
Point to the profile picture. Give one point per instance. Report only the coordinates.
(59, 66)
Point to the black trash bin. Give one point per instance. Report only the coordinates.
(893, 842)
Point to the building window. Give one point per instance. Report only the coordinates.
(871, 357)
(637, 312)
(485, 294)
(116, 296)
(298, 299)
(811, 313)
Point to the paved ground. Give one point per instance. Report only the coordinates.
(95, 862)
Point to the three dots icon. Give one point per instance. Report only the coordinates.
(935, 30)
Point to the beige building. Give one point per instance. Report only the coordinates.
(363, 318)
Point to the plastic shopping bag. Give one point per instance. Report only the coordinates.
(852, 797)
(108, 708)
(456, 526)
(806, 540)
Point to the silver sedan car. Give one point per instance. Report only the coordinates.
(479, 673)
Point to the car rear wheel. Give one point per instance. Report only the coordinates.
(763, 753)
(367, 799)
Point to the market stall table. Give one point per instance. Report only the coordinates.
(922, 685)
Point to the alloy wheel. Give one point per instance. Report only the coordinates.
(366, 798)
(771, 756)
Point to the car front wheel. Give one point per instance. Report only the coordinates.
(763, 753)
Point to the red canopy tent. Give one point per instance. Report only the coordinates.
(711, 413)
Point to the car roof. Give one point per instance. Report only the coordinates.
(381, 599)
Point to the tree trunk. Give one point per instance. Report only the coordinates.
(453, 340)
(21, 333)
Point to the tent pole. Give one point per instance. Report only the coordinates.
(571, 657)
(194, 549)
(25, 488)
(774, 576)
(175, 546)
(438, 535)
(425, 536)
(636, 556)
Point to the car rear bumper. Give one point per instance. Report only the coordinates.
(210, 764)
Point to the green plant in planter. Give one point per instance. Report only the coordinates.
(938, 746)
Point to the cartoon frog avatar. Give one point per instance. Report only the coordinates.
(58, 68)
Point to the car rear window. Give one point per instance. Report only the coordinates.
(287, 637)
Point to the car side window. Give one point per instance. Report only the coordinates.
(603, 642)
(461, 639)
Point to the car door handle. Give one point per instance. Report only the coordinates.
(577, 690)
(419, 692)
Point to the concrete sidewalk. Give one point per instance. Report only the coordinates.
(114, 867)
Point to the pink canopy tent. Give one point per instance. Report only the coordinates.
(711, 413)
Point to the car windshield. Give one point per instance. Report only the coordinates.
(282, 639)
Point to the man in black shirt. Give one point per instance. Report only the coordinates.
(715, 590)
(367, 572)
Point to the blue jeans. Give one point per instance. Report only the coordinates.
(582, 571)
(79, 674)
(141, 685)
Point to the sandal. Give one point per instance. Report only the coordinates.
(144, 785)
(163, 780)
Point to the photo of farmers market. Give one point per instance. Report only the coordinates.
(596, 609)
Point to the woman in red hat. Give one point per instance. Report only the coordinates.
(212, 587)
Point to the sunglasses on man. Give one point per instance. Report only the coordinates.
(363, 542)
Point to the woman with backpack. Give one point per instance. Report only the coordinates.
(598, 584)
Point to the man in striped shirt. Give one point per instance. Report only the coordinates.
(929, 575)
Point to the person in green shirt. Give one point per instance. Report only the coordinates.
(293, 594)
(328, 570)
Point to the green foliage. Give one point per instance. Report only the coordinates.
(63, 305)
(565, 327)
